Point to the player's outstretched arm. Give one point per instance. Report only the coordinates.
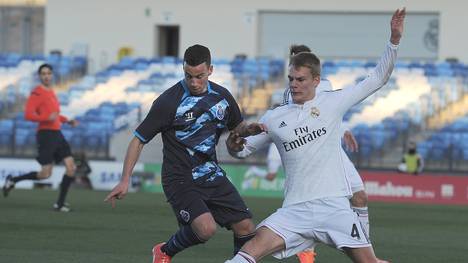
(380, 74)
(396, 25)
(384, 68)
(133, 153)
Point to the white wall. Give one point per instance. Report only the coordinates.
(227, 27)
(345, 34)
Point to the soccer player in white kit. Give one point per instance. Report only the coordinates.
(359, 197)
(308, 136)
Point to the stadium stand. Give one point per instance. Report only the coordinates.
(114, 99)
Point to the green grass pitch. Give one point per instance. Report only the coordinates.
(30, 232)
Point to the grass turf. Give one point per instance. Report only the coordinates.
(31, 232)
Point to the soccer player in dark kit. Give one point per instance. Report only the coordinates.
(191, 115)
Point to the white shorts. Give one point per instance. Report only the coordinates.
(353, 176)
(329, 220)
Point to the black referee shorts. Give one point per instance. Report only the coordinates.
(220, 198)
(52, 147)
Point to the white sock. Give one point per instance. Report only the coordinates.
(363, 216)
(242, 257)
(254, 170)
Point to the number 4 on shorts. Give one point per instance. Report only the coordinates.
(355, 232)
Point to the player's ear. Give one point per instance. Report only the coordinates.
(210, 70)
(316, 81)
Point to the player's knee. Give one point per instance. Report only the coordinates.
(250, 227)
(359, 199)
(206, 231)
(247, 227)
(243, 228)
(44, 174)
(204, 226)
(70, 171)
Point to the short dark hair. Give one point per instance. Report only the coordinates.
(296, 49)
(308, 60)
(196, 55)
(45, 65)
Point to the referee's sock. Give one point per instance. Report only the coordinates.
(363, 216)
(64, 186)
(28, 176)
(240, 241)
(185, 237)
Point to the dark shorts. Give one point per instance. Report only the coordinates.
(51, 146)
(220, 198)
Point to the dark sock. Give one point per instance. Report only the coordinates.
(28, 176)
(240, 241)
(181, 240)
(64, 186)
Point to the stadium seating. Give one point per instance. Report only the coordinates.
(449, 142)
(113, 99)
(415, 92)
(17, 74)
(116, 97)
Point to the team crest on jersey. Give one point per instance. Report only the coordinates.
(184, 215)
(314, 112)
(220, 112)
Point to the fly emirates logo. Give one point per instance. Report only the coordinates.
(304, 136)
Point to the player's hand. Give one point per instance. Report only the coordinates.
(117, 193)
(54, 115)
(396, 25)
(235, 142)
(255, 128)
(73, 123)
(350, 142)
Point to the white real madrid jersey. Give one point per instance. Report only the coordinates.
(308, 137)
